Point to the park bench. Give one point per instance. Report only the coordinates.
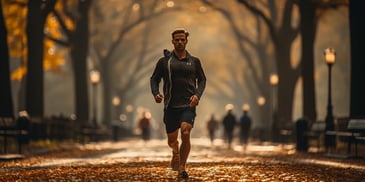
(17, 129)
(357, 128)
(92, 133)
(286, 133)
(351, 131)
(316, 132)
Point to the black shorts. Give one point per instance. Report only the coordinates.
(174, 116)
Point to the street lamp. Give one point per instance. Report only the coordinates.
(274, 80)
(129, 108)
(116, 103)
(261, 102)
(95, 79)
(330, 59)
(115, 122)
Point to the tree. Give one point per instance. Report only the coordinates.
(131, 15)
(308, 26)
(283, 36)
(74, 23)
(357, 38)
(310, 12)
(6, 104)
(79, 53)
(255, 49)
(16, 17)
(36, 18)
(277, 18)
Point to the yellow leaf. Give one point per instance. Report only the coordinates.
(18, 73)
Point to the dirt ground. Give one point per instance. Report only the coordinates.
(135, 160)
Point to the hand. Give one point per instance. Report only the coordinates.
(158, 98)
(194, 101)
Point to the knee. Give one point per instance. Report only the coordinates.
(172, 143)
(185, 135)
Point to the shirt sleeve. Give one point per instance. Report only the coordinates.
(156, 78)
(201, 79)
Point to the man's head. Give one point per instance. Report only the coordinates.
(229, 108)
(180, 31)
(179, 39)
(245, 108)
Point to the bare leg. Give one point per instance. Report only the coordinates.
(185, 144)
(174, 145)
(172, 141)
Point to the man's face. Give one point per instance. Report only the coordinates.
(179, 41)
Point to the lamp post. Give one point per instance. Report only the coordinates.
(330, 59)
(115, 123)
(95, 79)
(262, 127)
(274, 80)
(261, 100)
(129, 108)
(116, 103)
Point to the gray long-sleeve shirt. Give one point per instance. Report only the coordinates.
(181, 79)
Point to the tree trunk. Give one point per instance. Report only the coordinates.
(34, 78)
(308, 26)
(107, 92)
(79, 52)
(6, 102)
(357, 38)
(38, 11)
(285, 93)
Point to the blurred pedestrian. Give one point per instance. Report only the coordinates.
(23, 123)
(245, 123)
(229, 122)
(212, 126)
(144, 125)
(183, 85)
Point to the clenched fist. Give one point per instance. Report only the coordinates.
(194, 101)
(158, 98)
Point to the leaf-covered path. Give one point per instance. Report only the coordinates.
(134, 160)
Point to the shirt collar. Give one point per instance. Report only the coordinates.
(184, 59)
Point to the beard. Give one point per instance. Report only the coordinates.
(180, 47)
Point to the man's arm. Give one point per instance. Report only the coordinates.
(201, 79)
(155, 81)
